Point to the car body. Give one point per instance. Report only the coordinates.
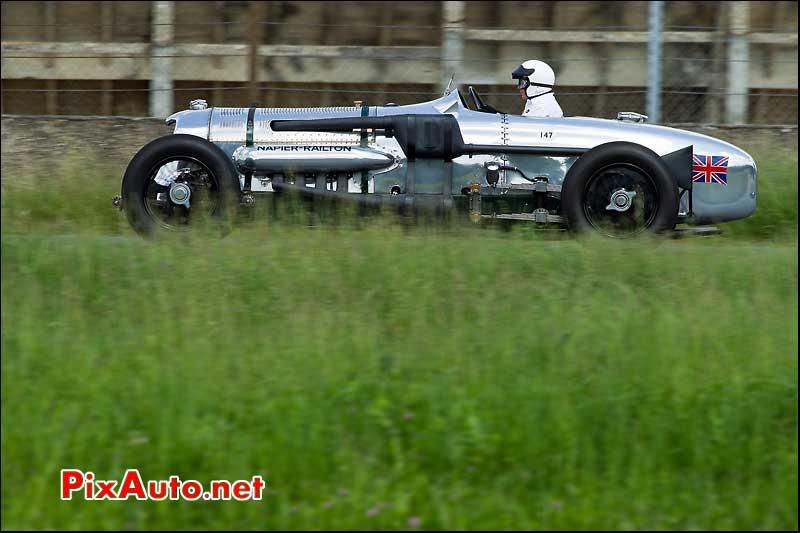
(461, 152)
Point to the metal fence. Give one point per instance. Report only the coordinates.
(681, 62)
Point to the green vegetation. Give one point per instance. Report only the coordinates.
(388, 377)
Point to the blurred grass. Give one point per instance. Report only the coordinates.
(389, 376)
(473, 383)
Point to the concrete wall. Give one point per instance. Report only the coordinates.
(105, 58)
(36, 148)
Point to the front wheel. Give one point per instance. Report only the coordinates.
(619, 189)
(177, 182)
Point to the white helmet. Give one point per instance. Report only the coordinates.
(536, 77)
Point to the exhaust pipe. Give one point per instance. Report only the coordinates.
(268, 159)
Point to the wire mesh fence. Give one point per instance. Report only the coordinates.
(95, 58)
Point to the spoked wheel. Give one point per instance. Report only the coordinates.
(179, 182)
(620, 200)
(619, 189)
(180, 192)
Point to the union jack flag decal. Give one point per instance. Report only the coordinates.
(710, 169)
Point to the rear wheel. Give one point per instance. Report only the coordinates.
(179, 182)
(619, 189)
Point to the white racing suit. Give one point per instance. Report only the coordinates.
(542, 104)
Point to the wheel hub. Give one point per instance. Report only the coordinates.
(621, 200)
(179, 193)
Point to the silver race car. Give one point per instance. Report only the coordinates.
(617, 177)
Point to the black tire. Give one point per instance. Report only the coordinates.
(146, 162)
(591, 180)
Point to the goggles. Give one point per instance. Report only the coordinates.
(524, 83)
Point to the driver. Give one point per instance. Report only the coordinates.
(535, 84)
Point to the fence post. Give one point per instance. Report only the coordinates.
(50, 32)
(161, 50)
(219, 38)
(254, 23)
(107, 36)
(654, 45)
(715, 102)
(738, 63)
(452, 41)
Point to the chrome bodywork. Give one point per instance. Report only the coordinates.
(227, 127)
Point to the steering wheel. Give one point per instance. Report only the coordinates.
(479, 105)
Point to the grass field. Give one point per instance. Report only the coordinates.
(393, 377)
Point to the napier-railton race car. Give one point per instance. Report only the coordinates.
(616, 177)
